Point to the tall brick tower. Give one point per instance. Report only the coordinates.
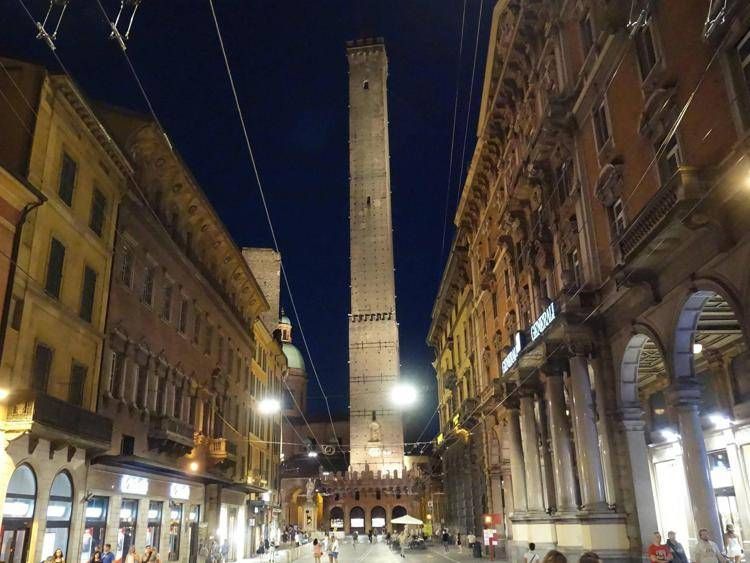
(376, 429)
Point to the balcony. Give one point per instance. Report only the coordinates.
(171, 436)
(223, 453)
(661, 225)
(58, 421)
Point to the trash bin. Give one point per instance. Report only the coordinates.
(477, 549)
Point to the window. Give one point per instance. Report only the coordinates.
(586, 27)
(617, 217)
(183, 316)
(142, 382)
(147, 295)
(366, 85)
(221, 348)
(67, 180)
(77, 384)
(494, 304)
(645, 50)
(127, 445)
(575, 266)
(55, 268)
(98, 212)
(59, 511)
(95, 525)
(743, 52)
(197, 327)
(41, 367)
(506, 278)
(209, 339)
(564, 180)
(126, 266)
(166, 305)
(15, 319)
(601, 124)
(670, 159)
(153, 530)
(88, 291)
(117, 372)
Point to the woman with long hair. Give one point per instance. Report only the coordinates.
(317, 550)
(58, 556)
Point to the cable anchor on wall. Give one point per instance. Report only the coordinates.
(128, 8)
(56, 10)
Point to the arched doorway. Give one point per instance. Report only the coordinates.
(18, 515)
(336, 520)
(397, 512)
(357, 520)
(59, 512)
(710, 363)
(377, 519)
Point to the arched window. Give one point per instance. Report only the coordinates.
(337, 518)
(18, 513)
(398, 512)
(357, 520)
(59, 511)
(377, 519)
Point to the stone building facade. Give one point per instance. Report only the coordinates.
(604, 223)
(53, 340)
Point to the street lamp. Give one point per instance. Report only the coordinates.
(404, 395)
(269, 405)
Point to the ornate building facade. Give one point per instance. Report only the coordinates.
(600, 238)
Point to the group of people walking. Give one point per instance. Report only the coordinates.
(704, 551)
(467, 538)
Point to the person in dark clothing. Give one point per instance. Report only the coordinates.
(446, 539)
(678, 552)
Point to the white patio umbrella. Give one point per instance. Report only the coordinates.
(408, 520)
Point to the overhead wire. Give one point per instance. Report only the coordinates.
(261, 191)
(144, 199)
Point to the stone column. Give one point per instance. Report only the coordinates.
(529, 441)
(518, 473)
(633, 425)
(605, 446)
(508, 498)
(562, 463)
(589, 461)
(685, 398)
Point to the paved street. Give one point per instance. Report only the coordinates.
(378, 553)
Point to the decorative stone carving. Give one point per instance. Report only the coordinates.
(609, 184)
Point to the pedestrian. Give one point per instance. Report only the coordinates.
(325, 544)
(132, 556)
(554, 556)
(458, 542)
(657, 551)
(225, 550)
(369, 535)
(333, 550)
(317, 550)
(402, 539)
(96, 557)
(678, 552)
(589, 557)
(531, 556)
(58, 556)
(733, 545)
(108, 556)
(471, 539)
(706, 551)
(446, 539)
(355, 539)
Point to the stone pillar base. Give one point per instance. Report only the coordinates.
(604, 534)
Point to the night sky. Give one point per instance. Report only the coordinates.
(288, 59)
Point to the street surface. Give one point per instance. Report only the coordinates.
(377, 553)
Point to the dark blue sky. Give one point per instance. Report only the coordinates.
(288, 58)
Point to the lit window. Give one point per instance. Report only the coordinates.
(645, 50)
(617, 217)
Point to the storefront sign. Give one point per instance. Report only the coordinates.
(544, 320)
(512, 356)
(133, 485)
(179, 491)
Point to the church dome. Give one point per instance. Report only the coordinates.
(285, 320)
(293, 356)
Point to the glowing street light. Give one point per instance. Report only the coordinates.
(312, 453)
(194, 466)
(4, 393)
(404, 395)
(697, 348)
(269, 406)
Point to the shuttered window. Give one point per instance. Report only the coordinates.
(98, 212)
(67, 180)
(88, 291)
(41, 367)
(77, 384)
(55, 268)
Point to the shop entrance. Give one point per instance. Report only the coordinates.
(726, 501)
(126, 532)
(15, 545)
(194, 518)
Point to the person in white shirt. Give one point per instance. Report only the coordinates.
(531, 556)
(706, 551)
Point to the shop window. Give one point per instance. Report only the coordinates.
(153, 530)
(175, 528)
(55, 264)
(95, 526)
(68, 173)
(127, 527)
(18, 513)
(59, 511)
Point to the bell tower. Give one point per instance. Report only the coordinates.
(376, 428)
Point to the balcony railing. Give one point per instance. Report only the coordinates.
(169, 435)
(223, 452)
(53, 419)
